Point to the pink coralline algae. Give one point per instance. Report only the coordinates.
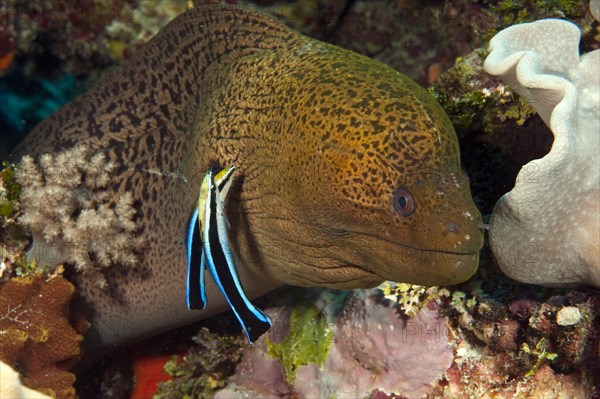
(373, 350)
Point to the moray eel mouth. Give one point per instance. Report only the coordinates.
(369, 259)
(469, 250)
(425, 266)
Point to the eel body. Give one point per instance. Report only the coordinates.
(348, 173)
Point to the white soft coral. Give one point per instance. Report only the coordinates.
(71, 216)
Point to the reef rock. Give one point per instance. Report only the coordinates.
(37, 336)
(547, 229)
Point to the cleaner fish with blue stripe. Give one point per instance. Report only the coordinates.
(207, 244)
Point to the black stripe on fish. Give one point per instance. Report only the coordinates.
(195, 291)
(222, 267)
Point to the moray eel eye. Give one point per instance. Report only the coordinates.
(404, 202)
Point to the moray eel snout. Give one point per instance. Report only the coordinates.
(432, 245)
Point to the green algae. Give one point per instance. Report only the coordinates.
(10, 190)
(462, 94)
(463, 111)
(476, 102)
(24, 267)
(519, 111)
(520, 11)
(511, 12)
(540, 352)
(307, 342)
(204, 369)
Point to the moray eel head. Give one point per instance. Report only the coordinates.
(373, 185)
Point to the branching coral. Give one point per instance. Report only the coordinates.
(37, 337)
(71, 214)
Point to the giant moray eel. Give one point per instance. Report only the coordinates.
(348, 173)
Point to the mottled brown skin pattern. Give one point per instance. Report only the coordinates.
(321, 138)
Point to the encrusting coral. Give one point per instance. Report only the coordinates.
(77, 222)
(37, 336)
(547, 229)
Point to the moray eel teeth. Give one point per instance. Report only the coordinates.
(208, 224)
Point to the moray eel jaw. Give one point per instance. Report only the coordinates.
(404, 263)
(355, 260)
(442, 250)
(350, 259)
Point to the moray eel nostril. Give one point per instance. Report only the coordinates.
(453, 227)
